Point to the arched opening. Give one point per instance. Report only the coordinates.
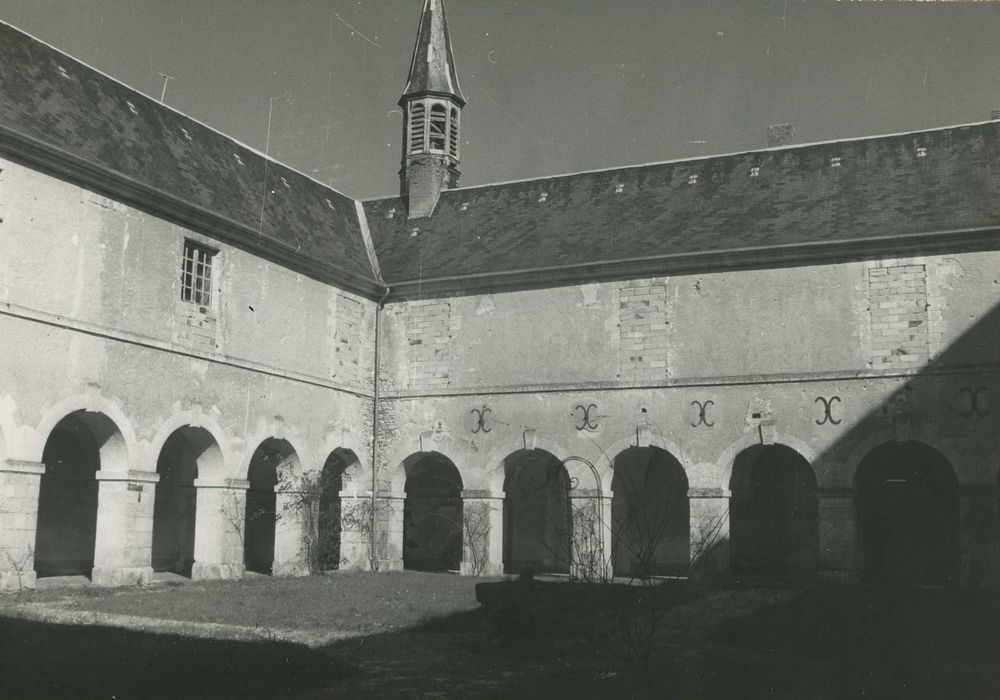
(439, 127)
(774, 524)
(269, 463)
(78, 446)
(908, 495)
(537, 516)
(649, 514)
(331, 483)
(416, 135)
(175, 506)
(453, 134)
(432, 513)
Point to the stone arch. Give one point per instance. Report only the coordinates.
(727, 459)
(335, 478)
(908, 505)
(273, 467)
(432, 513)
(773, 515)
(356, 477)
(276, 429)
(645, 439)
(496, 475)
(219, 464)
(77, 447)
(650, 514)
(187, 454)
(537, 512)
(878, 436)
(116, 454)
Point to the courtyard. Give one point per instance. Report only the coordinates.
(410, 634)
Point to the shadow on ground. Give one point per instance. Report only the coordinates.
(857, 643)
(827, 643)
(66, 661)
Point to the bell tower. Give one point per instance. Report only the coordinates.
(432, 103)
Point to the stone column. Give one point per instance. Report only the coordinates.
(591, 536)
(389, 531)
(291, 550)
(124, 548)
(356, 546)
(979, 537)
(220, 520)
(19, 484)
(838, 535)
(709, 518)
(482, 533)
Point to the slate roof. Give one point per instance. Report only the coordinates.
(892, 186)
(432, 69)
(48, 97)
(890, 195)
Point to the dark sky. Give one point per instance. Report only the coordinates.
(553, 85)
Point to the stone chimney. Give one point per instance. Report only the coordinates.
(780, 135)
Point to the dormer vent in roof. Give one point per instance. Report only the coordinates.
(432, 102)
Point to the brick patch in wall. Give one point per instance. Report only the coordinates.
(643, 331)
(897, 311)
(428, 332)
(346, 335)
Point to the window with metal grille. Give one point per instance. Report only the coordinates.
(196, 274)
(439, 125)
(416, 128)
(453, 134)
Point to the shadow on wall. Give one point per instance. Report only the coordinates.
(910, 516)
(919, 519)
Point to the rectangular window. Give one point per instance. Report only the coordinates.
(196, 274)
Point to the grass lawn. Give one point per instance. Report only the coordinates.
(344, 601)
(860, 643)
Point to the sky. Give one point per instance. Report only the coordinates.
(554, 86)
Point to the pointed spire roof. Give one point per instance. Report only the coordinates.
(432, 70)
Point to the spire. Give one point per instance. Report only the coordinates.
(432, 70)
(432, 104)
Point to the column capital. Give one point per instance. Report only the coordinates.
(21, 466)
(709, 493)
(483, 494)
(977, 491)
(835, 492)
(217, 483)
(134, 475)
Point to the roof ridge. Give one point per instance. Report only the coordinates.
(671, 161)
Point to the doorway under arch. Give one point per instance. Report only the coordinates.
(175, 507)
(79, 446)
(650, 533)
(432, 513)
(271, 460)
(908, 496)
(537, 515)
(329, 528)
(774, 515)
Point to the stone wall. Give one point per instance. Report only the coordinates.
(91, 319)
